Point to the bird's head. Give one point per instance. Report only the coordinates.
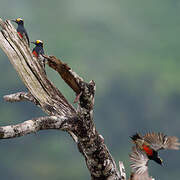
(19, 21)
(38, 43)
(136, 136)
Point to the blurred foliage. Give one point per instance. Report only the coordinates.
(130, 48)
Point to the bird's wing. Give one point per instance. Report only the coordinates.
(144, 176)
(25, 36)
(138, 161)
(160, 141)
(41, 51)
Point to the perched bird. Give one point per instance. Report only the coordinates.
(21, 30)
(147, 148)
(38, 51)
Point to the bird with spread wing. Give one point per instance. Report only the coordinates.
(146, 148)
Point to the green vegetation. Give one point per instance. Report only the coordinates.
(131, 50)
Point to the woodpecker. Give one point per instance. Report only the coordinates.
(147, 148)
(38, 51)
(21, 30)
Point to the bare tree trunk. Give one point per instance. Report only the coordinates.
(62, 115)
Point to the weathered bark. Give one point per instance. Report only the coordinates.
(62, 115)
(32, 126)
(20, 96)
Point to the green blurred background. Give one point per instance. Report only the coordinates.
(130, 48)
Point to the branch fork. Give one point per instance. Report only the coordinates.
(62, 115)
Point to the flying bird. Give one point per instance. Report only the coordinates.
(147, 148)
(21, 30)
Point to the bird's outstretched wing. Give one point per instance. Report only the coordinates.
(139, 161)
(145, 176)
(160, 141)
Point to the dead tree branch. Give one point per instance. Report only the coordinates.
(20, 96)
(32, 126)
(78, 122)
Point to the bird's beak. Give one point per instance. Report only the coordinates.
(13, 20)
(33, 42)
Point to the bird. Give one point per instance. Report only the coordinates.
(38, 51)
(146, 148)
(21, 30)
(38, 48)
